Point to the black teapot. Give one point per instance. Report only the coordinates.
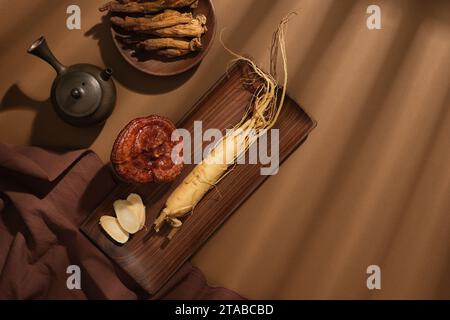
(83, 95)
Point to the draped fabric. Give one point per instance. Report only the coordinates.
(45, 195)
(369, 187)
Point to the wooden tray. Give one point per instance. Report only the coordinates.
(148, 257)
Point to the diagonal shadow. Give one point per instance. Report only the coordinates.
(333, 22)
(365, 123)
(254, 17)
(419, 174)
(441, 290)
(28, 24)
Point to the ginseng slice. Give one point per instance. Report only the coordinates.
(139, 208)
(113, 229)
(127, 217)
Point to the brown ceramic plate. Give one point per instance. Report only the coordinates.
(158, 66)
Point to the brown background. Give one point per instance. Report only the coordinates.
(370, 186)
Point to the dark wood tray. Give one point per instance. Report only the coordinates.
(149, 258)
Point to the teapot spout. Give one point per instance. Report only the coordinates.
(40, 49)
(106, 74)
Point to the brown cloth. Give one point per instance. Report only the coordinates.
(44, 196)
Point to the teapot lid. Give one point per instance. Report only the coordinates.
(77, 94)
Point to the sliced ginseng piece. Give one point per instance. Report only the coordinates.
(113, 229)
(166, 19)
(167, 43)
(147, 7)
(126, 216)
(138, 207)
(194, 29)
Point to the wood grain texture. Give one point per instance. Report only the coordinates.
(148, 257)
(159, 66)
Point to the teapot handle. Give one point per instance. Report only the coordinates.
(40, 49)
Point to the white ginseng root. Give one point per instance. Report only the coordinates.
(260, 117)
(113, 229)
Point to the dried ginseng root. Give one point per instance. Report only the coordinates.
(166, 19)
(170, 43)
(172, 53)
(194, 29)
(147, 7)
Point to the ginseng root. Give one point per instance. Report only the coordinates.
(146, 7)
(194, 29)
(172, 53)
(260, 117)
(166, 19)
(170, 43)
